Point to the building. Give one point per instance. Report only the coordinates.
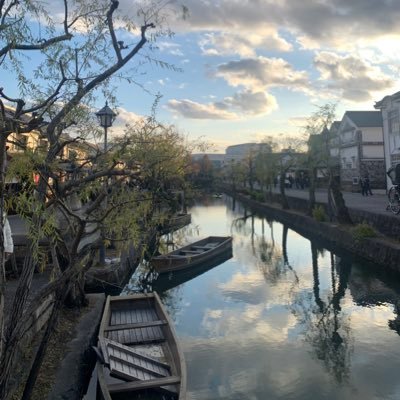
(239, 152)
(361, 149)
(390, 108)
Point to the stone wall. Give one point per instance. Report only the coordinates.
(384, 224)
(346, 179)
(381, 251)
(375, 169)
(111, 278)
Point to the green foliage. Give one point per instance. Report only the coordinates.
(363, 231)
(257, 196)
(319, 214)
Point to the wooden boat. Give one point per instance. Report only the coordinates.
(193, 254)
(138, 350)
(168, 281)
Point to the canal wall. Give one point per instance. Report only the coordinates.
(381, 250)
(111, 278)
(385, 224)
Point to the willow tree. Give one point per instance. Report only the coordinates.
(54, 60)
(319, 138)
(266, 168)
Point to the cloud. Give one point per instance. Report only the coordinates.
(239, 105)
(171, 48)
(250, 103)
(262, 72)
(193, 110)
(124, 118)
(334, 23)
(351, 77)
(218, 44)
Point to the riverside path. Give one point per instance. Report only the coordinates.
(377, 203)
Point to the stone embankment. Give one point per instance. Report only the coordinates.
(383, 250)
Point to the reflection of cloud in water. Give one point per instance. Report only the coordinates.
(250, 324)
(225, 369)
(250, 288)
(247, 288)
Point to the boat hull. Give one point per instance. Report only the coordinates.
(192, 255)
(140, 349)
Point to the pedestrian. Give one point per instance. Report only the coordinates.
(8, 244)
(8, 240)
(367, 186)
(362, 184)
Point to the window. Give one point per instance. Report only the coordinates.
(393, 122)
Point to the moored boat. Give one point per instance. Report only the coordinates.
(193, 254)
(139, 354)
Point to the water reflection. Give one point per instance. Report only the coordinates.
(285, 318)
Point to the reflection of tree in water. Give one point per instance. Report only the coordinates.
(271, 259)
(326, 328)
(178, 238)
(143, 283)
(239, 225)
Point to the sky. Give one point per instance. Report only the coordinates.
(254, 68)
(261, 67)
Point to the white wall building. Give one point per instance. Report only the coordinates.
(390, 108)
(361, 149)
(239, 152)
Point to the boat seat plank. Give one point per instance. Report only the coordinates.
(137, 336)
(136, 325)
(211, 245)
(134, 363)
(201, 247)
(126, 363)
(153, 383)
(192, 251)
(136, 353)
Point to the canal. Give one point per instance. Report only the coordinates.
(284, 318)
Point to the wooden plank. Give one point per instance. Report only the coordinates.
(138, 354)
(123, 316)
(145, 324)
(142, 366)
(153, 383)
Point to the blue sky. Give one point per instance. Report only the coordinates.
(256, 68)
(252, 68)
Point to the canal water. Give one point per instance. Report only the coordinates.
(284, 318)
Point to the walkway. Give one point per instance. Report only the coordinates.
(376, 203)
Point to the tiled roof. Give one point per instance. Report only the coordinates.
(365, 118)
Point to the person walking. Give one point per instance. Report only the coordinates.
(362, 184)
(367, 186)
(8, 240)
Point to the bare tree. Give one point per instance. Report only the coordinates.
(71, 59)
(319, 138)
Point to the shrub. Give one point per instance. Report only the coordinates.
(363, 231)
(319, 214)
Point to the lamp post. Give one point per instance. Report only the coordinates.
(106, 117)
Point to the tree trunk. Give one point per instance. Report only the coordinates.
(311, 191)
(3, 139)
(12, 330)
(284, 200)
(340, 209)
(75, 293)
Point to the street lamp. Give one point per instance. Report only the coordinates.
(106, 117)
